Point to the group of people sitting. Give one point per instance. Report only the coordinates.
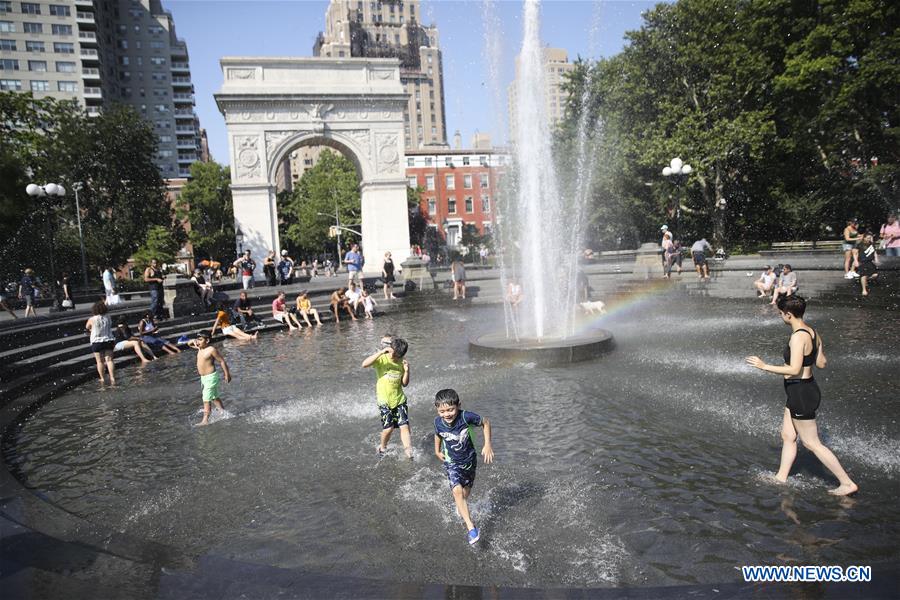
(780, 280)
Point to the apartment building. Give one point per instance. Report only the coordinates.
(458, 188)
(392, 29)
(104, 51)
(556, 64)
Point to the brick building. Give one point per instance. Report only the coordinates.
(458, 188)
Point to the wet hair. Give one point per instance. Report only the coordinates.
(795, 305)
(399, 346)
(446, 396)
(203, 335)
(99, 308)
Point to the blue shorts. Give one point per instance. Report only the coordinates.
(461, 475)
(392, 418)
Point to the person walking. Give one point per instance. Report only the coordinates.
(153, 279)
(26, 291)
(851, 251)
(890, 236)
(353, 260)
(269, 268)
(102, 340)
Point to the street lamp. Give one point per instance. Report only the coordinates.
(678, 171)
(41, 191)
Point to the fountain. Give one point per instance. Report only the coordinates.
(546, 228)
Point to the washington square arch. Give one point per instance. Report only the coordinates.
(273, 105)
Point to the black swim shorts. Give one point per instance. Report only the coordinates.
(803, 398)
(392, 418)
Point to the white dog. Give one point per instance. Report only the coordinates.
(593, 307)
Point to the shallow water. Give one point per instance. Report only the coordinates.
(650, 466)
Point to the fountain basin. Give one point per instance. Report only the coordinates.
(546, 351)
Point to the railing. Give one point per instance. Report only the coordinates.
(93, 91)
(84, 16)
(179, 66)
(89, 53)
(87, 36)
(90, 73)
(189, 97)
(181, 80)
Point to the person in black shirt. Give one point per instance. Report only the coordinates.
(244, 311)
(153, 277)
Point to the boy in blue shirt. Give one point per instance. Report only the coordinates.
(453, 444)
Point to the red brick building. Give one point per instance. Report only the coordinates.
(458, 187)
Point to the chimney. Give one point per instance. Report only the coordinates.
(457, 140)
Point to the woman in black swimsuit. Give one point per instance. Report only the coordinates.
(387, 276)
(804, 350)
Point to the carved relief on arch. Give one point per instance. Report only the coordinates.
(246, 151)
(387, 154)
(360, 137)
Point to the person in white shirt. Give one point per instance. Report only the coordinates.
(353, 296)
(765, 282)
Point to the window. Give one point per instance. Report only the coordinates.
(123, 44)
(485, 204)
(469, 204)
(165, 139)
(432, 206)
(59, 10)
(32, 28)
(40, 86)
(165, 153)
(450, 182)
(161, 108)
(429, 182)
(10, 85)
(467, 182)
(32, 46)
(135, 13)
(65, 67)
(5, 6)
(485, 181)
(61, 29)
(155, 29)
(9, 45)
(124, 61)
(428, 159)
(434, 132)
(67, 86)
(448, 161)
(9, 64)
(412, 181)
(156, 44)
(7, 27)
(410, 162)
(466, 163)
(31, 8)
(37, 65)
(482, 160)
(451, 206)
(63, 48)
(158, 60)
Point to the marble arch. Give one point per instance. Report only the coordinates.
(272, 105)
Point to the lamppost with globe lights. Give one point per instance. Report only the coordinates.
(54, 189)
(678, 171)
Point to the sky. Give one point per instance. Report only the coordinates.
(217, 28)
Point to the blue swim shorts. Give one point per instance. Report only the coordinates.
(462, 475)
(392, 418)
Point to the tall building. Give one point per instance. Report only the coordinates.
(556, 64)
(104, 51)
(388, 29)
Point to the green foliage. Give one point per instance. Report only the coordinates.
(418, 222)
(777, 105)
(206, 202)
(308, 211)
(121, 194)
(160, 244)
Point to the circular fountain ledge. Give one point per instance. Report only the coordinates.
(547, 351)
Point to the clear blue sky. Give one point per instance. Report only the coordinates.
(217, 28)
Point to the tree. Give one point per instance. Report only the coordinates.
(418, 222)
(160, 244)
(206, 202)
(307, 213)
(111, 156)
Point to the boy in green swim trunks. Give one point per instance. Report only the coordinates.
(392, 373)
(209, 378)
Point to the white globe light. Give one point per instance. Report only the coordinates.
(60, 190)
(686, 169)
(676, 164)
(51, 188)
(33, 189)
(667, 171)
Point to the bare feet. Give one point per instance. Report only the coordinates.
(255, 335)
(203, 422)
(408, 453)
(844, 489)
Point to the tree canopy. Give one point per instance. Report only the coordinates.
(787, 112)
(308, 211)
(111, 159)
(206, 202)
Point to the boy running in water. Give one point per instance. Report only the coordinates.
(453, 444)
(207, 356)
(392, 372)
